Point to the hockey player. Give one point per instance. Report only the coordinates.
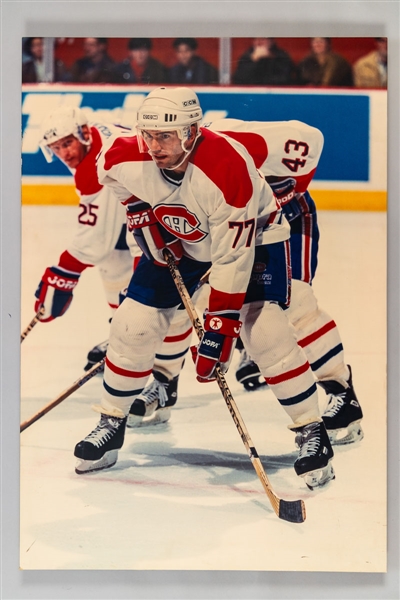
(101, 235)
(102, 239)
(199, 194)
(287, 154)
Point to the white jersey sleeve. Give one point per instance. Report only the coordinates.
(113, 172)
(279, 148)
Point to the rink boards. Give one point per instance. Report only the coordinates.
(352, 173)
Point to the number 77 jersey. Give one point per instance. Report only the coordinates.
(220, 208)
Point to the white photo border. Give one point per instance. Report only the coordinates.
(362, 18)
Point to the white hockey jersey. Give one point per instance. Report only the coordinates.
(101, 217)
(217, 210)
(280, 149)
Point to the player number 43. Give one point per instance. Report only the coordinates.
(243, 227)
(295, 147)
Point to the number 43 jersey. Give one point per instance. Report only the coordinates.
(219, 210)
(280, 149)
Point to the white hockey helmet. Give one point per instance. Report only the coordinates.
(169, 109)
(67, 120)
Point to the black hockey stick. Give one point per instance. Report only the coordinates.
(32, 324)
(97, 368)
(289, 510)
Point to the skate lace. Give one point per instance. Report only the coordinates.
(155, 392)
(335, 403)
(308, 441)
(103, 432)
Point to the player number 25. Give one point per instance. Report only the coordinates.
(88, 216)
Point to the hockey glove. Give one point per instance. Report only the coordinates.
(221, 329)
(151, 237)
(284, 189)
(54, 293)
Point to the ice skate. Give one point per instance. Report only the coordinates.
(248, 373)
(153, 405)
(315, 453)
(96, 354)
(343, 413)
(99, 449)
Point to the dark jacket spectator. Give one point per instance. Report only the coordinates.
(140, 67)
(96, 66)
(265, 64)
(322, 67)
(33, 69)
(190, 67)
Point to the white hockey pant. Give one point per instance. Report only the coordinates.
(116, 272)
(270, 340)
(317, 334)
(171, 356)
(136, 335)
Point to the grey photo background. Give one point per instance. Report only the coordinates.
(157, 19)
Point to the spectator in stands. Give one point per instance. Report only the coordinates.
(265, 64)
(190, 67)
(96, 66)
(33, 68)
(322, 67)
(140, 66)
(26, 51)
(370, 71)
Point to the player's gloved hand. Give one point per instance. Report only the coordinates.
(221, 329)
(151, 237)
(284, 189)
(54, 292)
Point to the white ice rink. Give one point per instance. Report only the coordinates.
(184, 495)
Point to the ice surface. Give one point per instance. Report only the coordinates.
(184, 495)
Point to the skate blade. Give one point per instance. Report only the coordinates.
(88, 466)
(162, 415)
(319, 478)
(347, 435)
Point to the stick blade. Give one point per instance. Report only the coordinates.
(292, 511)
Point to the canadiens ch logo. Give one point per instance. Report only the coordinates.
(179, 221)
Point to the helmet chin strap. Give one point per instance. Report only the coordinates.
(185, 155)
(81, 139)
